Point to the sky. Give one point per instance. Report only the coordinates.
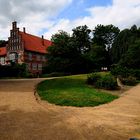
(47, 17)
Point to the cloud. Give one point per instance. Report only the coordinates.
(122, 13)
(41, 17)
(34, 14)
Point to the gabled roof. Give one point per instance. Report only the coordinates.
(34, 43)
(3, 51)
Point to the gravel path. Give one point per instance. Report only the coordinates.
(22, 117)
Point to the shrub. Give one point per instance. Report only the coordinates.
(130, 81)
(136, 73)
(125, 72)
(15, 70)
(107, 81)
(93, 78)
(120, 71)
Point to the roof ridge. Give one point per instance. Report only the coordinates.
(34, 36)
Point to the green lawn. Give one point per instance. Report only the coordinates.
(72, 91)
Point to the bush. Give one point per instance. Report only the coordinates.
(136, 73)
(15, 70)
(120, 71)
(130, 81)
(125, 72)
(93, 78)
(107, 81)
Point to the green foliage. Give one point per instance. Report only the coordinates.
(125, 72)
(105, 35)
(81, 38)
(82, 53)
(3, 43)
(72, 91)
(120, 71)
(66, 54)
(93, 78)
(61, 55)
(124, 41)
(98, 56)
(130, 81)
(131, 58)
(15, 70)
(106, 81)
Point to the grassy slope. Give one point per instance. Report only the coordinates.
(72, 91)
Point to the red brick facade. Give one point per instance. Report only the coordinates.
(26, 48)
(3, 58)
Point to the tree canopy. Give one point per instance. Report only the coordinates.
(82, 52)
(105, 35)
(3, 43)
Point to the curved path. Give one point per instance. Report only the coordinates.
(22, 117)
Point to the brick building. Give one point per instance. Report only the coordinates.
(26, 48)
(3, 55)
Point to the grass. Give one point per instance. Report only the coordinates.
(72, 91)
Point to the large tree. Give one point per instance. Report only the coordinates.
(131, 59)
(123, 42)
(105, 35)
(63, 56)
(81, 38)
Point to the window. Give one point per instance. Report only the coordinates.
(2, 60)
(34, 66)
(30, 56)
(39, 66)
(28, 66)
(38, 57)
(13, 56)
(43, 58)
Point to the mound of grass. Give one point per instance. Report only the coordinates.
(72, 91)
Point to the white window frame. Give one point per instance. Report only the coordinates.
(34, 66)
(39, 66)
(38, 57)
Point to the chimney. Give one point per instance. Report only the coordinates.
(14, 24)
(42, 40)
(24, 30)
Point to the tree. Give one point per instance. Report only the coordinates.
(105, 35)
(63, 56)
(81, 38)
(131, 58)
(3, 43)
(123, 42)
(120, 45)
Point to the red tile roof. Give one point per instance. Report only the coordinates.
(3, 51)
(34, 43)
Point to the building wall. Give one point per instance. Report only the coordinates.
(35, 61)
(3, 60)
(15, 48)
(16, 52)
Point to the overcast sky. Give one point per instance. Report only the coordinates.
(48, 16)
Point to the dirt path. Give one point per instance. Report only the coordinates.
(24, 118)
